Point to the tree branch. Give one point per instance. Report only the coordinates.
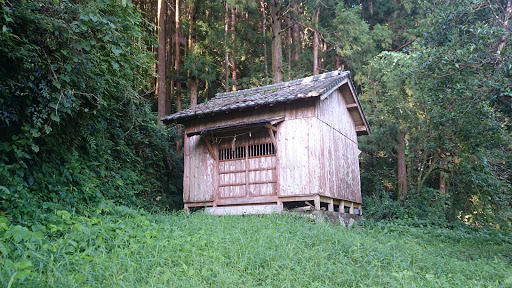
(405, 45)
(319, 33)
(494, 13)
(431, 167)
(503, 38)
(147, 93)
(56, 80)
(170, 6)
(451, 73)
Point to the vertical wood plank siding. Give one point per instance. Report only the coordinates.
(199, 183)
(187, 166)
(293, 144)
(340, 152)
(333, 112)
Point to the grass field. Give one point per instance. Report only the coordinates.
(126, 248)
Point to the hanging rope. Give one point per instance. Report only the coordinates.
(233, 144)
(218, 139)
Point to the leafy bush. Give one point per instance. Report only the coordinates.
(428, 205)
(74, 128)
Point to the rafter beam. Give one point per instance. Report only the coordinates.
(209, 147)
(360, 129)
(271, 130)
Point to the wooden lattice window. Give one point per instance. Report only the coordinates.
(261, 149)
(232, 154)
(256, 150)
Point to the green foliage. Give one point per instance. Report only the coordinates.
(400, 17)
(119, 246)
(200, 66)
(383, 206)
(74, 130)
(443, 95)
(354, 39)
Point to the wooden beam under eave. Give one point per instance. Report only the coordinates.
(271, 133)
(361, 129)
(351, 106)
(273, 128)
(279, 120)
(209, 147)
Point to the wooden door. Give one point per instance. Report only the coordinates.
(232, 174)
(248, 170)
(261, 168)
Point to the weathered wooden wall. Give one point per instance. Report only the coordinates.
(339, 162)
(199, 177)
(294, 149)
(200, 166)
(318, 152)
(333, 112)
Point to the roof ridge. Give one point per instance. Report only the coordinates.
(283, 84)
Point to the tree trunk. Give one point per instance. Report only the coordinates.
(177, 61)
(316, 43)
(402, 171)
(505, 26)
(442, 180)
(424, 174)
(233, 63)
(296, 33)
(192, 80)
(264, 28)
(153, 12)
(169, 61)
(277, 50)
(288, 44)
(337, 61)
(177, 67)
(161, 88)
(226, 45)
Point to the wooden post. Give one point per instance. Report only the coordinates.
(331, 205)
(216, 177)
(317, 202)
(247, 178)
(271, 133)
(351, 210)
(187, 210)
(342, 207)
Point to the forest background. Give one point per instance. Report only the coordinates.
(83, 84)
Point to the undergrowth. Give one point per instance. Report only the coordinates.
(75, 126)
(116, 246)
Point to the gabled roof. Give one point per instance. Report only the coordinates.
(315, 86)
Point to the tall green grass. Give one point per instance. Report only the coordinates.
(127, 248)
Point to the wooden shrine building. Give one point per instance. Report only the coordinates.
(283, 145)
